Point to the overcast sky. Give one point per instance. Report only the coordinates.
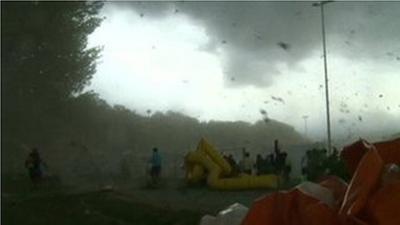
(229, 60)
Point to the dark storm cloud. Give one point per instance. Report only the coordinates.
(252, 38)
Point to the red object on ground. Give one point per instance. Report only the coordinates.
(371, 198)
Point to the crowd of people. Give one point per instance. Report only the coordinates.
(318, 163)
(273, 163)
(315, 164)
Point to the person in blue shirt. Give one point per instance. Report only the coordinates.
(155, 165)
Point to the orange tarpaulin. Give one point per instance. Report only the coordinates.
(371, 198)
(389, 151)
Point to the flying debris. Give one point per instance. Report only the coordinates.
(185, 81)
(387, 107)
(141, 14)
(279, 99)
(381, 95)
(263, 112)
(284, 46)
(398, 58)
(343, 105)
(343, 108)
(265, 115)
(176, 10)
(360, 118)
(148, 111)
(232, 79)
(223, 41)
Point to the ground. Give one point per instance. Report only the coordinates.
(126, 203)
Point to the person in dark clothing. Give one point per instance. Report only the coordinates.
(270, 163)
(233, 164)
(259, 164)
(247, 164)
(155, 170)
(33, 164)
(277, 148)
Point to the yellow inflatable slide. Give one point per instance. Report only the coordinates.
(208, 163)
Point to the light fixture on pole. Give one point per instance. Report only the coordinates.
(321, 5)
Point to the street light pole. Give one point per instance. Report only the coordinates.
(305, 117)
(328, 120)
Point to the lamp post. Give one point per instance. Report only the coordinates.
(321, 5)
(305, 117)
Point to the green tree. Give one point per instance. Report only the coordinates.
(45, 61)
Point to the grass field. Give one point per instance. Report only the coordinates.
(63, 206)
(127, 203)
(100, 208)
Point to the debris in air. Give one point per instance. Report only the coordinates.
(284, 46)
(279, 99)
(263, 112)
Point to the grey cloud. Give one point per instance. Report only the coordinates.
(249, 35)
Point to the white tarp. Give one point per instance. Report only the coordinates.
(233, 215)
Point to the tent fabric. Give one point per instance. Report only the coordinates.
(338, 188)
(389, 150)
(364, 182)
(290, 208)
(371, 198)
(352, 154)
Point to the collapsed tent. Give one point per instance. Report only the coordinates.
(371, 198)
